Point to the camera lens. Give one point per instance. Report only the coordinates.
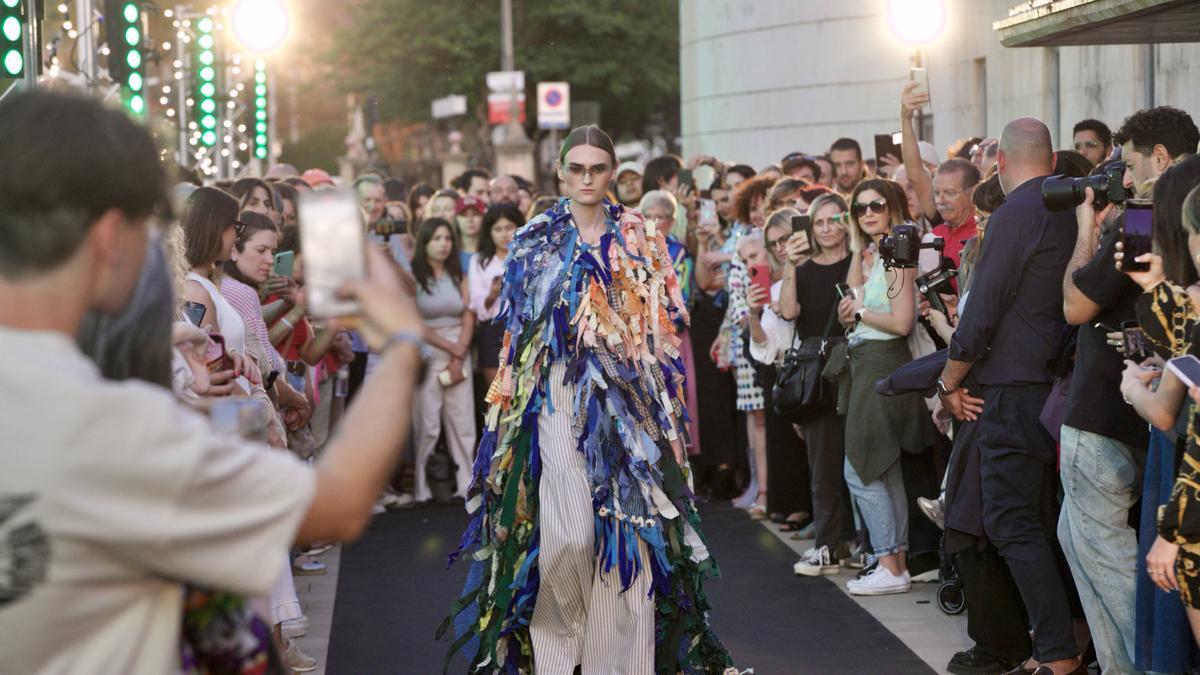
(1060, 193)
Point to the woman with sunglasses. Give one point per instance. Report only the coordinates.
(580, 481)
(880, 313)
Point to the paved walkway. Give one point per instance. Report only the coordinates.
(913, 618)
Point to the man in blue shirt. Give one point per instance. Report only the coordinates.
(1007, 334)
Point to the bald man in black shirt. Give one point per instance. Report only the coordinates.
(1006, 335)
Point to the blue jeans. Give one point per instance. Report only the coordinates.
(884, 508)
(1101, 481)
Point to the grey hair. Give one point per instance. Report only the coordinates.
(658, 198)
(136, 344)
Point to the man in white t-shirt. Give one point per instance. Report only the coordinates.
(112, 495)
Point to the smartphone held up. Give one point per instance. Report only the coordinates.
(333, 236)
(1137, 234)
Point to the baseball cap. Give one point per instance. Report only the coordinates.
(317, 178)
(635, 167)
(470, 202)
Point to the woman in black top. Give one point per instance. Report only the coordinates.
(810, 300)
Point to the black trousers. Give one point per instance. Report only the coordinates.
(1020, 509)
(826, 438)
(996, 617)
(921, 479)
(788, 487)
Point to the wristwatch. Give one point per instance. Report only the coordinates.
(858, 314)
(943, 390)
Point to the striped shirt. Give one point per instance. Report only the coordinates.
(245, 300)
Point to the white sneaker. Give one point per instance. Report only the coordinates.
(819, 562)
(298, 660)
(880, 582)
(934, 509)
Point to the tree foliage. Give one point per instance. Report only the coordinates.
(623, 54)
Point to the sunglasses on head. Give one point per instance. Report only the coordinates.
(859, 209)
(238, 227)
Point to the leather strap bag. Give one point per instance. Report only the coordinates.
(800, 393)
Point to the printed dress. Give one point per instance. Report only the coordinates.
(584, 544)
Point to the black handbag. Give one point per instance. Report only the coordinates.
(800, 392)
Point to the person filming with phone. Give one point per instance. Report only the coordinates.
(121, 493)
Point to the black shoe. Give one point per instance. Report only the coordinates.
(975, 661)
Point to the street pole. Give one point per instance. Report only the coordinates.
(513, 131)
(181, 88)
(29, 46)
(85, 44)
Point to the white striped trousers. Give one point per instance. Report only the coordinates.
(581, 616)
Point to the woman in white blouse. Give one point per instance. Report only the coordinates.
(485, 278)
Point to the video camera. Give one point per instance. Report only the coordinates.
(903, 246)
(1060, 193)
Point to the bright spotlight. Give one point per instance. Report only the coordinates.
(916, 22)
(261, 25)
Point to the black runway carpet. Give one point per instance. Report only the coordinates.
(393, 591)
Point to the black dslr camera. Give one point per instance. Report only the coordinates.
(938, 281)
(903, 246)
(1060, 193)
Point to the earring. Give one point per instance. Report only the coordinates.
(233, 258)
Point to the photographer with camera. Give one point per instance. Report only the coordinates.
(880, 312)
(1103, 441)
(1004, 342)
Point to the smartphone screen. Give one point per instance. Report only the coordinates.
(705, 175)
(1186, 368)
(332, 234)
(1137, 234)
(284, 260)
(218, 358)
(760, 275)
(195, 312)
(1137, 345)
(887, 144)
(921, 77)
(708, 212)
(802, 224)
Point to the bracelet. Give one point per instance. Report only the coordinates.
(402, 337)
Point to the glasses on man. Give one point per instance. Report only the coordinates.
(1080, 146)
(579, 170)
(860, 208)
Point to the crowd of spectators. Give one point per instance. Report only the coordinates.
(981, 418)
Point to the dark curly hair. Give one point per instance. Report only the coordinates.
(745, 194)
(1097, 127)
(988, 196)
(1170, 127)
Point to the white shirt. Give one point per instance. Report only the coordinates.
(779, 333)
(114, 495)
(479, 282)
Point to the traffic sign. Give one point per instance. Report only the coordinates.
(500, 108)
(554, 105)
(504, 81)
(449, 106)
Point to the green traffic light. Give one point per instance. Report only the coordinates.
(13, 62)
(134, 59)
(208, 90)
(261, 127)
(261, 140)
(132, 36)
(261, 114)
(207, 73)
(135, 82)
(260, 77)
(205, 25)
(11, 3)
(208, 122)
(209, 138)
(136, 104)
(208, 105)
(130, 12)
(260, 153)
(205, 42)
(12, 29)
(206, 58)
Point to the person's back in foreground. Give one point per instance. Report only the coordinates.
(113, 495)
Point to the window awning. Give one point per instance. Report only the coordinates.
(1047, 23)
